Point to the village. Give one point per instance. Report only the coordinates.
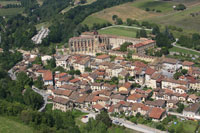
(106, 80)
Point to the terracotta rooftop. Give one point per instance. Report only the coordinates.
(48, 76)
(74, 80)
(143, 43)
(60, 100)
(156, 113)
(97, 106)
(104, 56)
(62, 92)
(139, 64)
(187, 63)
(149, 71)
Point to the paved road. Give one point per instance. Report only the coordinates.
(174, 44)
(127, 124)
(197, 117)
(124, 26)
(44, 95)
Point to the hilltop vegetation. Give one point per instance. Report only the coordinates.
(160, 12)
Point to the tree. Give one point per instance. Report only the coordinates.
(119, 21)
(180, 7)
(114, 17)
(88, 69)
(33, 99)
(155, 30)
(104, 118)
(23, 79)
(141, 33)
(184, 71)
(124, 46)
(129, 21)
(51, 64)
(38, 60)
(39, 83)
(180, 108)
(177, 75)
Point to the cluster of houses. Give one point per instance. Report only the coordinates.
(148, 89)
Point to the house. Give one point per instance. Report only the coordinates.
(143, 57)
(172, 83)
(80, 101)
(115, 98)
(142, 46)
(180, 89)
(156, 103)
(193, 98)
(116, 70)
(48, 78)
(103, 58)
(192, 111)
(69, 87)
(62, 61)
(148, 73)
(100, 100)
(195, 85)
(140, 108)
(172, 103)
(62, 93)
(157, 114)
(61, 104)
(81, 64)
(97, 107)
(125, 87)
(96, 86)
(123, 76)
(170, 64)
(187, 65)
(136, 98)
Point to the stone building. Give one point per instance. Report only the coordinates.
(91, 43)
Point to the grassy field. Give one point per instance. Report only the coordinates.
(44, 24)
(11, 11)
(176, 49)
(136, 10)
(181, 19)
(40, 2)
(4, 3)
(90, 20)
(10, 126)
(68, 8)
(119, 31)
(163, 6)
(123, 11)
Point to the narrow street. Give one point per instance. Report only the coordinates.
(44, 95)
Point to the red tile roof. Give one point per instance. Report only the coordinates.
(156, 113)
(48, 76)
(144, 43)
(150, 71)
(187, 63)
(74, 80)
(97, 106)
(139, 64)
(104, 56)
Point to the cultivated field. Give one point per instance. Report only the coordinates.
(10, 126)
